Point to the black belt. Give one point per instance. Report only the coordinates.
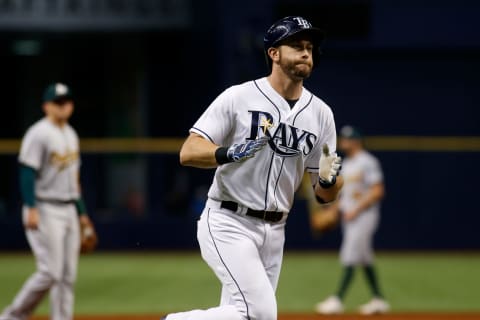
(270, 216)
(56, 201)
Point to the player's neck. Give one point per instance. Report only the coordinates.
(354, 152)
(57, 122)
(288, 88)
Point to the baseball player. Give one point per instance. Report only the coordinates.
(359, 206)
(261, 136)
(53, 207)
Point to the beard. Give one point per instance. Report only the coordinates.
(297, 70)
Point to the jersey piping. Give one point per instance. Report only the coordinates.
(204, 133)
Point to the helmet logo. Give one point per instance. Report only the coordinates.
(302, 22)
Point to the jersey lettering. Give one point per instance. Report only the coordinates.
(286, 140)
(63, 161)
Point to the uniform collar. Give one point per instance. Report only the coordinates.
(280, 101)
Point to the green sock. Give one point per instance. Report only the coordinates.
(372, 280)
(347, 277)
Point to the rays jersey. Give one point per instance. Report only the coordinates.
(54, 153)
(252, 110)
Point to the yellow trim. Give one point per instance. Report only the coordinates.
(172, 145)
(423, 144)
(131, 145)
(9, 146)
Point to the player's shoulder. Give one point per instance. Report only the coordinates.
(368, 158)
(71, 129)
(38, 128)
(244, 87)
(239, 92)
(318, 103)
(231, 92)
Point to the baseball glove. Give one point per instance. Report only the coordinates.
(325, 220)
(89, 239)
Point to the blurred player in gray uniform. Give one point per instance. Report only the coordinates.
(49, 181)
(359, 207)
(261, 136)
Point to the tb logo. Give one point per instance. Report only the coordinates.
(286, 140)
(302, 22)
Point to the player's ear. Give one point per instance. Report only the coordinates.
(44, 107)
(274, 54)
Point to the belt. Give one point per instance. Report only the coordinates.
(270, 216)
(56, 201)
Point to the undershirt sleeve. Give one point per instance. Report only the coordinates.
(27, 185)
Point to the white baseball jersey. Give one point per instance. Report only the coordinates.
(254, 109)
(54, 152)
(360, 173)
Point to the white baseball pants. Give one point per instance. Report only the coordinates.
(246, 255)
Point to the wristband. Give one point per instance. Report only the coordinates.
(80, 206)
(325, 184)
(221, 155)
(320, 200)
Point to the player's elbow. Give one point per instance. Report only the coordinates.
(379, 191)
(185, 157)
(187, 151)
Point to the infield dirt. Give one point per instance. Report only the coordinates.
(390, 316)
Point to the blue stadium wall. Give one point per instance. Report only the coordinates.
(414, 73)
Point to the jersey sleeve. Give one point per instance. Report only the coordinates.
(328, 136)
(32, 149)
(216, 122)
(373, 172)
(76, 140)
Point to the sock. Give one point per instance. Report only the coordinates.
(372, 280)
(347, 277)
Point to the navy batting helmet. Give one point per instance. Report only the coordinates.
(287, 27)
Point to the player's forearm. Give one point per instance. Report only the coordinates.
(198, 152)
(327, 195)
(374, 195)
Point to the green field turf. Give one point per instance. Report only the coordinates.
(161, 282)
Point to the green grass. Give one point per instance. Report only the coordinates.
(162, 282)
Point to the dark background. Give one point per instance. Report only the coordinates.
(391, 67)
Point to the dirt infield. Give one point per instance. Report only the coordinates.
(391, 316)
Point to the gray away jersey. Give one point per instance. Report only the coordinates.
(252, 110)
(54, 153)
(360, 173)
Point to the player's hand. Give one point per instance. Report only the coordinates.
(85, 220)
(350, 215)
(88, 235)
(244, 151)
(33, 219)
(328, 167)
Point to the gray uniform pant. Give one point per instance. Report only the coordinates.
(55, 245)
(246, 255)
(357, 244)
